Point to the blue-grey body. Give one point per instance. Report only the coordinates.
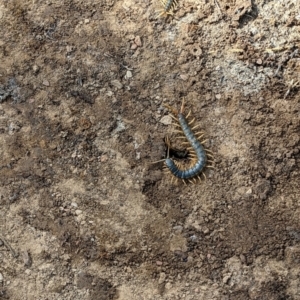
(199, 150)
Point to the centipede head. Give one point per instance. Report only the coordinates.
(173, 110)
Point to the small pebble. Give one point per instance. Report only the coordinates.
(133, 46)
(159, 263)
(1, 277)
(78, 212)
(184, 77)
(138, 41)
(117, 84)
(166, 120)
(128, 74)
(162, 278)
(26, 259)
(46, 83)
(35, 68)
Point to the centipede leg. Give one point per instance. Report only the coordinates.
(189, 115)
(193, 128)
(204, 176)
(184, 181)
(177, 125)
(207, 150)
(177, 131)
(192, 121)
(199, 177)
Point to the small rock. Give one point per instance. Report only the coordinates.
(1, 277)
(117, 84)
(133, 46)
(218, 96)
(178, 229)
(46, 83)
(226, 278)
(205, 230)
(35, 68)
(259, 61)
(128, 74)
(168, 286)
(104, 158)
(138, 41)
(166, 120)
(184, 77)
(78, 212)
(86, 21)
(159, 263)
(26, 258)
(162, 278)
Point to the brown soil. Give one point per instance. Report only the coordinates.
(83, 212)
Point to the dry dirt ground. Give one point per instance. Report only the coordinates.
(84, 214)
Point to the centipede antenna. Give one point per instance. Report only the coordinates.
(168, 151)
(173, 117)
(182, 106)
(157, 161)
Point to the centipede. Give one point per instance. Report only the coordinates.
(199, 157)
(169, 6)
